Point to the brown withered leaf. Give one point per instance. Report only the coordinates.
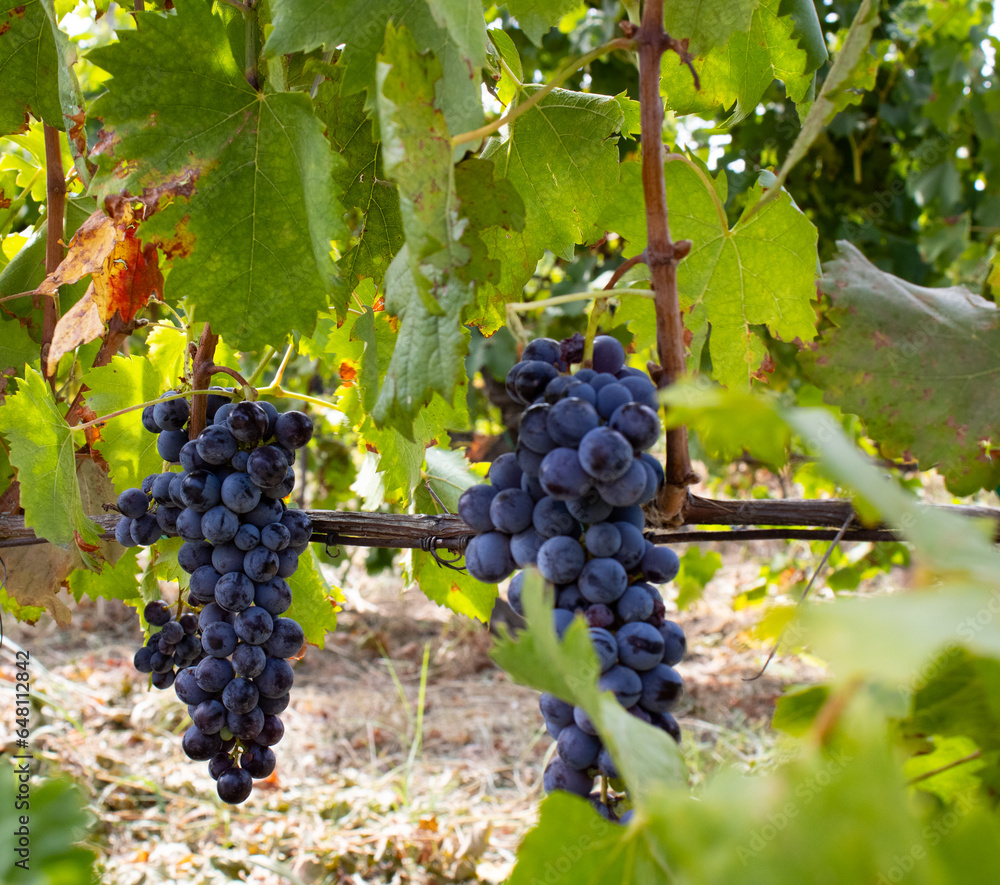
(87, 252)
(124, 276)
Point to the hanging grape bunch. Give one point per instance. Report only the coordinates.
(225, 648)
(569, 502)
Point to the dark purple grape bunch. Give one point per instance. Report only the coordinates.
(569, 502)
(226, 654)
(174, 643)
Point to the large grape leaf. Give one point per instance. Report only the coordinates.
(432, 279)
(736, 74)
(562, 158)
(43, 451)
(916, 364)
(760, 271)
(372, 200)
(361, 25)
(255, 236)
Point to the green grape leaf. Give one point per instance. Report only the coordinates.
(314, 601)
(429, 350)
(393, 463)
(562, 158)
(456, 591)
(372, 200)
(735, 75)
(536, 17)
(118, 581)
(852, 74)
(808, 30)
(879, 635)
(707, 25)
(761, 271)
(43, 451)
(422, 286)
(914, 363)
(29, 65)
(947, 771)
(484, 202)
(125, 444)
(255, 234)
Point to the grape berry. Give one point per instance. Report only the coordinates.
(225, 649)
(569, 501)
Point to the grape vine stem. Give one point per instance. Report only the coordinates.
(662, 254)
(201, 378)
(55, 215)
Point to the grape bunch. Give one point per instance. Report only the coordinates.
(225, 649)
(569, 502)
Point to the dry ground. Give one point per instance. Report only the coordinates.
(358, 797)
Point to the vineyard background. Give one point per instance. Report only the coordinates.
(182, 142)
